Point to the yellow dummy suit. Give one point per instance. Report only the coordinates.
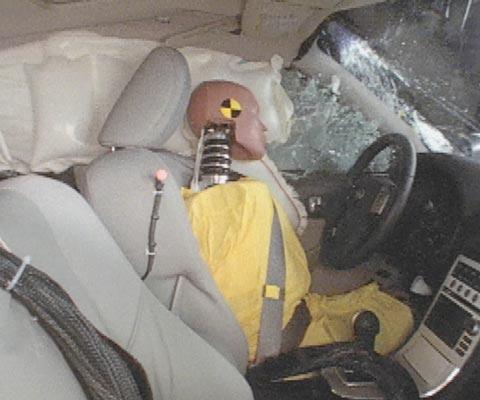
(232, 224)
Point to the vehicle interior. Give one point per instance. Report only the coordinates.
(372, 154)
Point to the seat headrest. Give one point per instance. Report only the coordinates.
(153, 103)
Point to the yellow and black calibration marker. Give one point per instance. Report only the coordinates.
(230, 108)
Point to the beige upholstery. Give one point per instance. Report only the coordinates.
(157, 96)
(119, 187)
(55, 226)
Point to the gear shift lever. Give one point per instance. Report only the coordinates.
(352, 369)
(366, 326)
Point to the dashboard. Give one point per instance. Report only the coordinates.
(438, 236)
(444, 353)
(432, 228)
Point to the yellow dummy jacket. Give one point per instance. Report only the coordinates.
(232, 224)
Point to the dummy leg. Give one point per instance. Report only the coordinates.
(328, 281)
(332, 316)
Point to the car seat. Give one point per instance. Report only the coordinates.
(53, 224)
(120, 186)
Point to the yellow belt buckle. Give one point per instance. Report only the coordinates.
(273, 292)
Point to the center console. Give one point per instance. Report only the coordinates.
(450, 331)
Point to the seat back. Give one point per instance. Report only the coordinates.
(120, 186)
(54, 225)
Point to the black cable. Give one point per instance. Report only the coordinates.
(104, 370)
(157, 197)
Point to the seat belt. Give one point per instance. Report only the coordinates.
(271, 320)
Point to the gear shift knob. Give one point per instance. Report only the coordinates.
(366, 326)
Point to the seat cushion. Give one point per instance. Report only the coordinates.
(55, 226)
(119, 186)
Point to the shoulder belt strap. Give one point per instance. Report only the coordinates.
(270, 334)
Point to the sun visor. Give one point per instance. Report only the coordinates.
(153, 103)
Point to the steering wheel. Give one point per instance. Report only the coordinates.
(368, 209)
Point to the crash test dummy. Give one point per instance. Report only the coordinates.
(233, 223)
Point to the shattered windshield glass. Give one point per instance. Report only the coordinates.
(420, 61)
(391, 86)
(326, 135)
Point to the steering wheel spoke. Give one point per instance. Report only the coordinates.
(373, 204)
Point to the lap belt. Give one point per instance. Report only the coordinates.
(294, 331)
(103, 368)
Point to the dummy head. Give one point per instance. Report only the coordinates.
(224, 101)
